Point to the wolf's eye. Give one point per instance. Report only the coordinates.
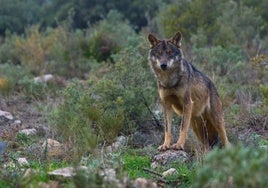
(159, 53)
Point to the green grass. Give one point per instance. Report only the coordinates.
(134, 164)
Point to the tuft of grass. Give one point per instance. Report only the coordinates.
(134, 165)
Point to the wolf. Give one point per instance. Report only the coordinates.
(185, 90)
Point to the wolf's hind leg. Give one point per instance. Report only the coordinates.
(215, 116)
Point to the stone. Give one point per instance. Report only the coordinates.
(144, 183)
(66, 172)
(6, 115)
(44, 78)
(17, 122)
(53, 149)
(170, 172)
(50, 184)
(28, 132)
(109, 175)
(120, 142)
(23, 161)
(50, 143)
(168, 157)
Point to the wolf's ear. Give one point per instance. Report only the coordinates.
(153, 40)
(176, 39)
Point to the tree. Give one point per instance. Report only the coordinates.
(15, 15)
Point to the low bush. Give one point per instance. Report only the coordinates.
(233, 167)
(10, 76)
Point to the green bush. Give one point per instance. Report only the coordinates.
(223, 61)
(96, 112)
(11, 74)
(233, 167)
(107, 37)
(36, 90)
(84, 122)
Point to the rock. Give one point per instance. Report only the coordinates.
(23, 161)
(120, 142)
(53, 149)
(6, 115)
(167, 157)
(50, 143)
(44, 78)
(66, 172)
(28, 132)
(50, 184)
(144, 183)
(109, 175)
(169, 172)
(17, 122)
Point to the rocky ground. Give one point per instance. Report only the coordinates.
(19, 115)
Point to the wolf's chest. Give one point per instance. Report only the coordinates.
(173, 98)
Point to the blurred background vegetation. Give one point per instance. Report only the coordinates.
(97, 51)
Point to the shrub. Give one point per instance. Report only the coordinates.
(36, 90)
(10, 76)
(95, 113)
(107, 37)
(233, 167)
(130, 84)
(264, 93)
(223, 61)
(84, 122)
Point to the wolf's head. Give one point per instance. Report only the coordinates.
(165, 54)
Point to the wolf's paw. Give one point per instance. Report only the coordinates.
(163, 147)
(177, 146)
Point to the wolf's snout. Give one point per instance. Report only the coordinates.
(163, 66)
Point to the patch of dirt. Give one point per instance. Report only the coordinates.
(27, 112)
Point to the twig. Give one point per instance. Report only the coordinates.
(152, 172)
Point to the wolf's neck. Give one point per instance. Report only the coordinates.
(169, 80)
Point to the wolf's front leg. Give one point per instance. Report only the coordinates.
(185, 124)
(167, 112)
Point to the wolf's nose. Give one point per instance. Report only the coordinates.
(163, 66)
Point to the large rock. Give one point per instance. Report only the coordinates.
(168, 157)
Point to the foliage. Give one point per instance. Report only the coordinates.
(86, 122)
(129, 85)
(35, 90)
(107, 37)
(16, 14)
(233, 167)
(226, 23)
(9, 77)
(264, 93)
